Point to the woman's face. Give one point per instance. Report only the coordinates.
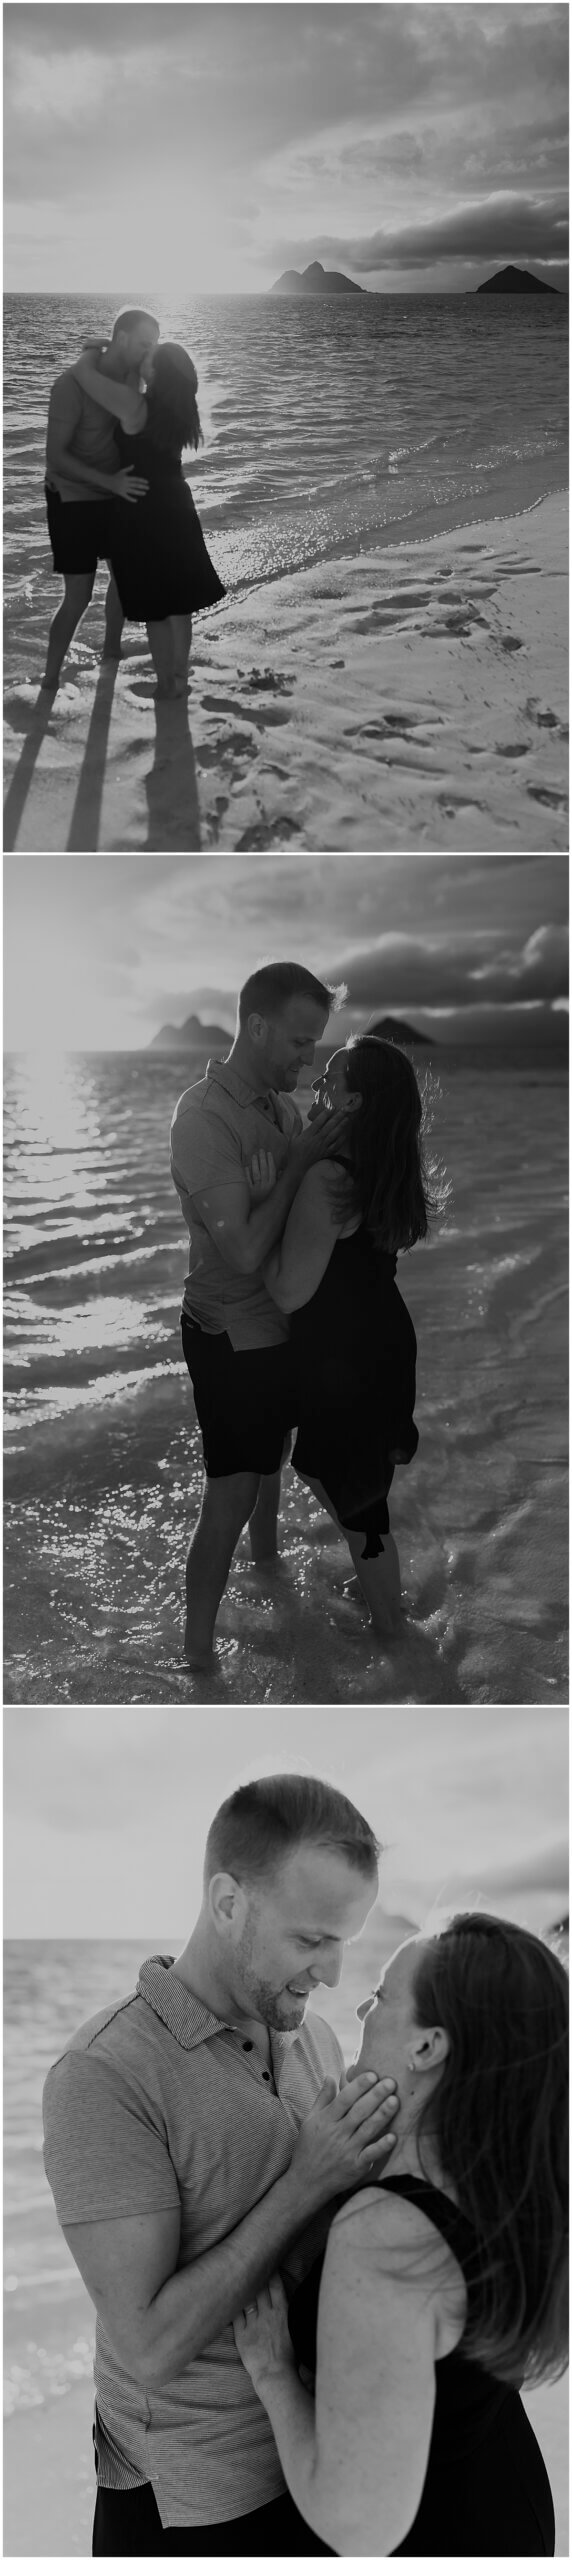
(389, 2025)
(332, 1088)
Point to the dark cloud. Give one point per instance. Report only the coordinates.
(504, 226)
(398, 972)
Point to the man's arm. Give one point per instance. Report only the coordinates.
(159, 2316)
(61, 463)
(121, 401)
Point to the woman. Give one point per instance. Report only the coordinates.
(353, 1342)
(443, 2289)
(160, 559)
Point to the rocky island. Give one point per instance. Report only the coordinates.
(192, 1034)
(402, 1033)
(515, 280)
(315, 279)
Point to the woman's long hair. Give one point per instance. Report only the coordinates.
(499, 2125)
(385, 1145)
(172, 413)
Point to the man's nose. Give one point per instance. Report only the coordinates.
(331, 1966)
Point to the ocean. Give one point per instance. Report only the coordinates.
(103, 1462)
(327, 424)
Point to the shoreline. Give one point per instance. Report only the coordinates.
(410, 693)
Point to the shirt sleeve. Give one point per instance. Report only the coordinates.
(204, 1152)
(105, 2155)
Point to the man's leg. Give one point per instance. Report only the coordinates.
(114, 619)
(78, 591)
(227, 1503)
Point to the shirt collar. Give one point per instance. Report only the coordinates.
(219, 1071)
(186, 2017)
(179, 2009)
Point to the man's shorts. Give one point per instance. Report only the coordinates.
(80, 535)
(243, 1402)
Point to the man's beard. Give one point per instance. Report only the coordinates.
(277, 2009)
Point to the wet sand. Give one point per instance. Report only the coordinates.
(414, 696)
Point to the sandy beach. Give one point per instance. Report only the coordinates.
(412, 696)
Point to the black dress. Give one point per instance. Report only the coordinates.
(353, 1353)
(486, 2486)
(159, 555)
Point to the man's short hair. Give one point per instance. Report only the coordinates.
(128, 320)
(270, 989)
(263, 1824)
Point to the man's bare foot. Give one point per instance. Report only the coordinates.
(199, 1658)
(49, 683)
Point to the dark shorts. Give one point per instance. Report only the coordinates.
(129, 2520)
(243, 1402)
(80, 535)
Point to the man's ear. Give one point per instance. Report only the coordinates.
(227, 1905)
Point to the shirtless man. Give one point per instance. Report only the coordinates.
(84, 484)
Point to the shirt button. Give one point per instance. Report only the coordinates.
(266, 2075)
(248, 2045)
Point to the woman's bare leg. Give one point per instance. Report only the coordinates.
(182, 630)
(379, 1576)
(160, 638)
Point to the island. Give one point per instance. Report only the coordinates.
(515, 280)
(401, 1033)
(315, 279)
(192, 1034)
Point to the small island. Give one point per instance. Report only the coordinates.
(515, 280)
(315, 279)
(191, 1034)
(401, 1033)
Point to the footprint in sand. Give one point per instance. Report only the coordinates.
(550, 799)
(271, 718)
(508, 643)
(267, 680)
(280, 832)
(543, 717)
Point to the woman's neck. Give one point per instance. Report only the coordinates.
(407, 2161)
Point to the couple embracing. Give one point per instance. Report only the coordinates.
(292, 1319)
(318, 2291)
(119, 423)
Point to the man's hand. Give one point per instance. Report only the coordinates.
(124, 484)
(325, 1136)
(346, 2139)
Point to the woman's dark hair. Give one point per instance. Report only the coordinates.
(265, 1822)
(499, 2123)
(385, 1145)
(171, 396)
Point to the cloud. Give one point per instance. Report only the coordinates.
(503, 226)
(398, 972)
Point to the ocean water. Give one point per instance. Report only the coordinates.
(326, 424)
(103, 1461)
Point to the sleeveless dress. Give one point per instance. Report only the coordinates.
(486, 2487)
(159, 555)
(353, 1353)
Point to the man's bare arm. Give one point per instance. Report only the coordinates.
(245, 1229)
(159, 2316)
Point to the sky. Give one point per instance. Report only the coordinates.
(107, 1809)
(101, 950)
(176, 150)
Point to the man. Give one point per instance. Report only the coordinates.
(84, 484)
(234, 1337)
(192, 2134)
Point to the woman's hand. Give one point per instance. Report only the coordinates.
(263, 2337)
(125, 484)
(261, 1174)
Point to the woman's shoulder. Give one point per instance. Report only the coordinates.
(391, 2236)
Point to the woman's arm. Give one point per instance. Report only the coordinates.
(356, 2462)
(125, 404)
(297, 1265)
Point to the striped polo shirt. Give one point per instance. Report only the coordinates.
(156, 2102)
(217, 1126)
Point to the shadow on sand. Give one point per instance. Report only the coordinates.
(35, 721)
(170, 785)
